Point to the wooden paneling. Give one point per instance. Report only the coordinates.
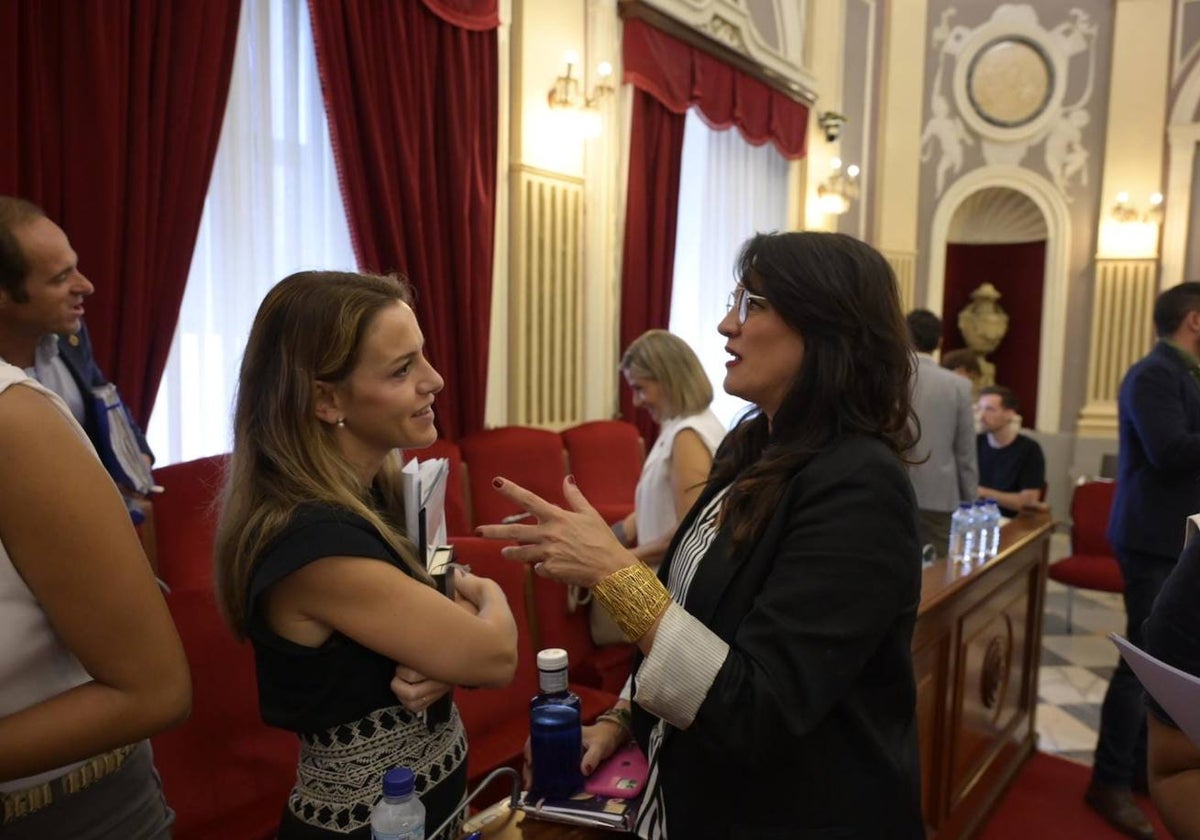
(976, 650)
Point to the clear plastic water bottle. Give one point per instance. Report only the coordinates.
(993, 509)
(959, 522)
(970, 542)
(983, 526)
(399, 815)
(552, 681)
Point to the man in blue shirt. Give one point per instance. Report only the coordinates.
(41, 313)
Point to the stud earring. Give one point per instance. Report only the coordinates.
(341, 422)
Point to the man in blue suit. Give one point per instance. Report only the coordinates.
(41, 312)
(1158, 487)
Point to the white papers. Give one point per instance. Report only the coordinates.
(424, 488)
(1178, 692)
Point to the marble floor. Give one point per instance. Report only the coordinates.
(1075, 666)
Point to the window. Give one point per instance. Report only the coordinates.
(728, 191)
(274, 207)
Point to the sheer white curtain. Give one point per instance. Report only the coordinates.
(728, 191)
(274, 207)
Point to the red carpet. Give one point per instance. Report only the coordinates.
(1046, 801)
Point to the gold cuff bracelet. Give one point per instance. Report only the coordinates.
(634, 597)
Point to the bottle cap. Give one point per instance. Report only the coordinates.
(399, 781)
(554, 716)
(552, 659)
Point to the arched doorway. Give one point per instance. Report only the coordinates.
(1056, 265)
(998, 236)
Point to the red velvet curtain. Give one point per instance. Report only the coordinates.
(412, 102)
(648, 259)
(680, 75)
(110, 112)
(1017, 271)
(479, 15)
(670, 77)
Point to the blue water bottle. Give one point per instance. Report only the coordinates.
(556, 748)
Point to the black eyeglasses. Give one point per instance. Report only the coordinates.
(740, 299)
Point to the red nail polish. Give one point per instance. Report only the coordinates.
(571, 480)
(497, 483)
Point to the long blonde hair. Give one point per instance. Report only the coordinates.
(309, 329)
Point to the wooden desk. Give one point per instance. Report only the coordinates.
(976, 651)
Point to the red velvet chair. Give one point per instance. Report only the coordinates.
(185, 521)
(604, 668)
(533, 458)
(1091, 564)
(497, 719)
(225, 772)
(605, 456)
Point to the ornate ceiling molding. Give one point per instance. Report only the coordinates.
(729, 25)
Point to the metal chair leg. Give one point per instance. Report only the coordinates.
(1070, 603)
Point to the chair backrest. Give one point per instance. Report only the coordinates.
(458, 512)
(1108, 465)
(486, 709)
(560, 626)
(1090, 506)
(185, 521)
(531, 457)
(224, 771)
(605, 456)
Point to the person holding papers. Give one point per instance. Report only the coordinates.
(773, 695)
(1172, 634)
(312, 565)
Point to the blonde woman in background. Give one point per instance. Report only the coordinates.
(668, 382)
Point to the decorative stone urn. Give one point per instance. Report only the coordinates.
(983, 325)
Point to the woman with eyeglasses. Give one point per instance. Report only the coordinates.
(773, 691)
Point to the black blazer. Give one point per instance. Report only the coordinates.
(1158, 473)
(76, 352)
(808, 730)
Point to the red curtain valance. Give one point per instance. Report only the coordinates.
(476, 15)
(679, 75)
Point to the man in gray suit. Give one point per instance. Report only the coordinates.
(947, 472)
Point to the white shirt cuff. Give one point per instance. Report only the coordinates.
(681, 667)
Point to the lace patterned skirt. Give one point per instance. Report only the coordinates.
(341, 769)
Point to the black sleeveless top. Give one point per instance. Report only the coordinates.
(306, 689)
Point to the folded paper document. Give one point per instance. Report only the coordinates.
(1178, 692)
(424, 489)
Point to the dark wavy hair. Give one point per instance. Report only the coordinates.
(840, 295)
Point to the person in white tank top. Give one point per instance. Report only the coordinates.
(669, 383)
(90, 663)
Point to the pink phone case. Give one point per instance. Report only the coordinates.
(621, 776)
